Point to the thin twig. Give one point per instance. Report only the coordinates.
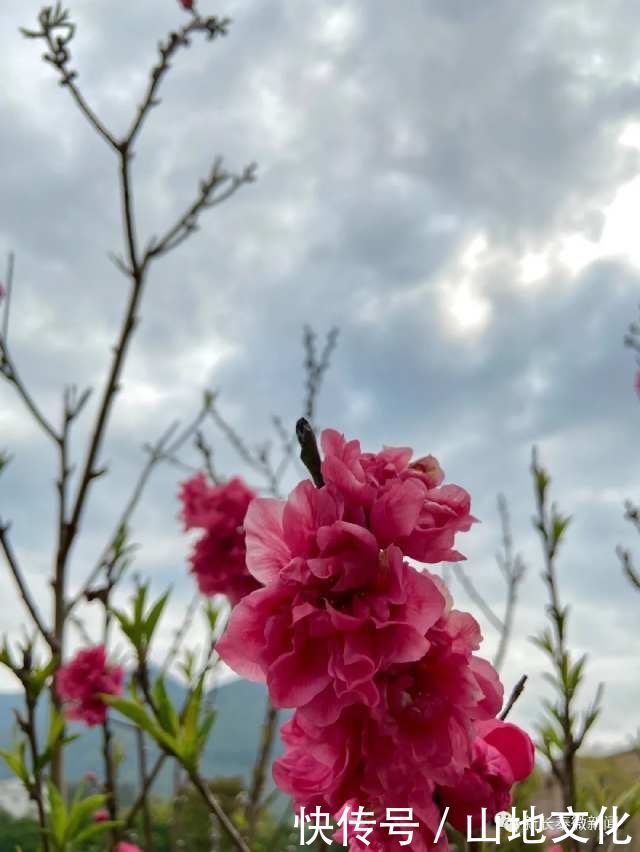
(269, 728)
(213, 26)
(515, 694)
(146, 810)
(23, 589)
(188, 222)
(8, 287)
(144, 791)
(214, 806)
(477, 598)
(8, 368)
(180, 634)
(513, 570)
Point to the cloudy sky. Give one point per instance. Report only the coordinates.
(454, 184)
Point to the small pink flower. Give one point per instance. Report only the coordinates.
(81, 682)
(90, 777)
(218, 558)
(127, 847)
(186, 4)
(502, 755)
(101, 816)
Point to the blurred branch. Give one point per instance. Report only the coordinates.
(8, 288)
(7, 366)
(205, 450)
(57, 30)
(145, 788)
(211, 26)
(627, 566)
(269, 728)
(23, 588)
(513, 570)
(180, 634)
(632, 514)
(316, 367)
(164, 449)
(260, 459)
(478, 599)
(207, 198)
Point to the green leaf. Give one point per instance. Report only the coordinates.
(167, 716)
(82, 811)
(39, 677)
(95, 829)
(57, 816)
(136, 712)
(152, 619)
(16, 763)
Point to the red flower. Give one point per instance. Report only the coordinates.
(82, 681)
(101, 816)
(186, 4)
(218, 559)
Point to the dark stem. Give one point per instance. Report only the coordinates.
(110, 777)
(214, 806)
(23, 589)
(515, 694)
(269, 729)
(36, 791)
(145, 788)
(146, 811)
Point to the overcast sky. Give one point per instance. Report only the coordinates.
(454, 184)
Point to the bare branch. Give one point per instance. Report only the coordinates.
(8, 286)
(269, 728)
(180, 634)
(207, 198)
(211, 26)
(7, 366)
(628, 567)
(477, 598)
(316, 367)
(23, 589)
(206, 452)
(162, 450)
(58, 31)
(513, 569)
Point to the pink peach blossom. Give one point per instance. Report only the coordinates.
(81, 682)
(393, 707)
(502, 755)
(218, 558)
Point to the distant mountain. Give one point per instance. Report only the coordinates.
(231, 750)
